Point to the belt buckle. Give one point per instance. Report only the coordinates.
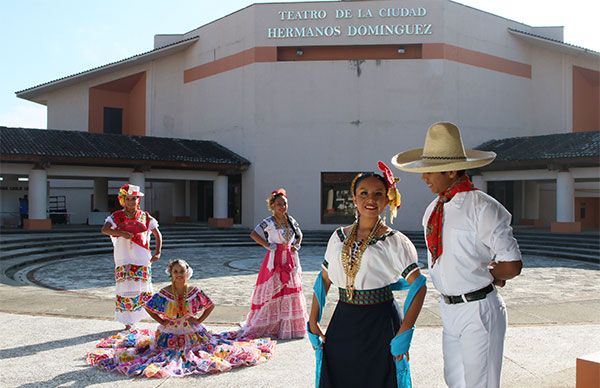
(449, 299)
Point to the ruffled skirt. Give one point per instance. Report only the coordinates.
(161, 354)
(278, 305)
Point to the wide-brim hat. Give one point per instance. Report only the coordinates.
(443, 151)
(130, 190)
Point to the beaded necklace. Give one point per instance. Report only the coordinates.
(351, 258)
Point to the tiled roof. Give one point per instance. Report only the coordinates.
(56, 146)
(567, 149)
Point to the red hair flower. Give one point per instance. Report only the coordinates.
(392, 193)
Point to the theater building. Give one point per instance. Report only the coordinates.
(304, 95)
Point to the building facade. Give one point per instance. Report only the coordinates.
(312, 92)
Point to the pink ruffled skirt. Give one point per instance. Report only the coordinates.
(278, 305)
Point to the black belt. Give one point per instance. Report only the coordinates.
(471, 296)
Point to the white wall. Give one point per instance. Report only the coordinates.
(164, 97)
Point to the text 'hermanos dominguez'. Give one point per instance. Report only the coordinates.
(380, 28)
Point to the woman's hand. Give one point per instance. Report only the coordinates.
(316, 329)
(193, 321)
(400, 357)
(156, 257)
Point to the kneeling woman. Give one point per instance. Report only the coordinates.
(363, 261)
(181, 345)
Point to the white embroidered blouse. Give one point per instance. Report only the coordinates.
(386, 259)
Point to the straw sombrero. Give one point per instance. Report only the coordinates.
(443, 151)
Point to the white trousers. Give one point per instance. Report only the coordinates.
(473, 342)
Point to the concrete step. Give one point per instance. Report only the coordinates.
(27, 247)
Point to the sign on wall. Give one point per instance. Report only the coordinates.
(350, 22)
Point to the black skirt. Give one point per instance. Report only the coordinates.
(357, 348)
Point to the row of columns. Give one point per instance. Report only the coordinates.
(38, 198)
(565, 200)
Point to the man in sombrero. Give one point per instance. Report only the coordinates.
(470, 250)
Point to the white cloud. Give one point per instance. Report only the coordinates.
(24, 114)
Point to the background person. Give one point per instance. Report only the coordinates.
(278, 305)
(23, 209)
(129, 230)
(470, 248)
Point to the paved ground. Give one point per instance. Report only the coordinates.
(65, 307)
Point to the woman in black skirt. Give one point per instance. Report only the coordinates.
(362, 260)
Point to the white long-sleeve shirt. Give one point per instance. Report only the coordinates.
(476, 230)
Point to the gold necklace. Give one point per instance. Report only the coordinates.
(350, 261)
(180, 299)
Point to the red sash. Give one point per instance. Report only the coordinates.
(436, 220)
(138, 226)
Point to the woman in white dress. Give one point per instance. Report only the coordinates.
(130, 229)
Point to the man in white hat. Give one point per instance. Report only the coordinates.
(470, 249)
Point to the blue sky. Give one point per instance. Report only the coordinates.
(46, 40)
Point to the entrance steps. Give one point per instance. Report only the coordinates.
(22, 248)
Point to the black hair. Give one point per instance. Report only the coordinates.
(364, 175)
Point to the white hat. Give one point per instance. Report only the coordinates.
(129, 189)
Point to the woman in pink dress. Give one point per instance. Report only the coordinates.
(278, 305)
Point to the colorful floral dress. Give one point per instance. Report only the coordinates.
(278, 305)
(133, 271)
(177, 348)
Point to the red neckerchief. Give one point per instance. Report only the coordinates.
(436, 220)
(136, 225)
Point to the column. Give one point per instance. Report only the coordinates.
(101, 194)
(480, 183)
(139, 179)
(220, 202)
(565, 194)
(38, 200)
(565, 204)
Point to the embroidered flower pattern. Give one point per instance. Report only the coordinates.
(125, 303)
(133, 272)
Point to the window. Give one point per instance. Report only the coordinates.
(336, 199)
(113, 120)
